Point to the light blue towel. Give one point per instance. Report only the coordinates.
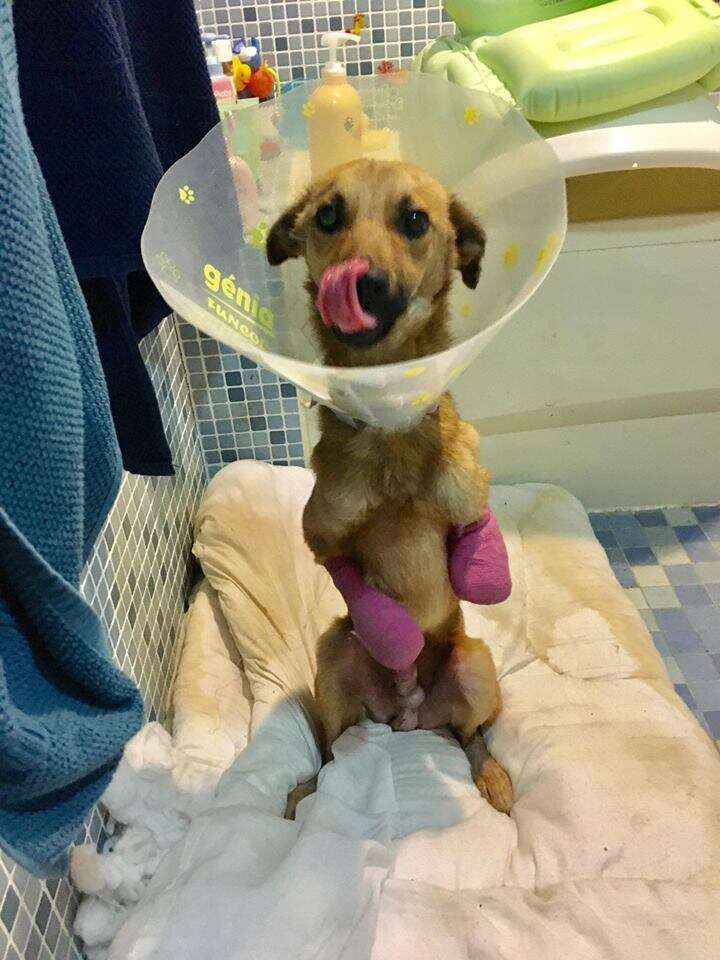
(65, 709)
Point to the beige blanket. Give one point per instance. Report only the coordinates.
(612, 849)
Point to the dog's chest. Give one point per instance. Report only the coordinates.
(395, 466)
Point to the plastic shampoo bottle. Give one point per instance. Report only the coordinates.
(222, 48)
(334, 111)
(222, 85)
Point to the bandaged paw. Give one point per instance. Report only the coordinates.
(478, 562)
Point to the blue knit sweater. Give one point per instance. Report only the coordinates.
(65, 709)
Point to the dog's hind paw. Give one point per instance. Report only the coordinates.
(495, 785)
(410, 696)
(299, 793)
(405, 721)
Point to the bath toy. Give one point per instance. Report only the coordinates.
(357, 24)
(261, 83)
(574, 59)
(249, 53)
(251, 76)
(241, 73)
(477, 17)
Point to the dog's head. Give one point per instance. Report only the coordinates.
(381, 240)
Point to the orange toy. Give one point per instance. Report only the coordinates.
(261, 83)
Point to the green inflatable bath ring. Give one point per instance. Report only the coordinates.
(562, 60)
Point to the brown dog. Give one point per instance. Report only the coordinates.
(387, 499)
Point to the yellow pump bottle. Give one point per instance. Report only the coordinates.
(334, 112)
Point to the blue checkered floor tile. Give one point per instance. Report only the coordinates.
(669, 563)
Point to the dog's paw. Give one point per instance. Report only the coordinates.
(495, 785)
(299, 793)
(409, 698)
(405, 721)
(406, 681)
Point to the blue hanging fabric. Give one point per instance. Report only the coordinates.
(66, 710)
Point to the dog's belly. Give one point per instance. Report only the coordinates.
(403, 552)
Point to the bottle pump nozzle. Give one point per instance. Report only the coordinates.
(332, 40)
(208, 41)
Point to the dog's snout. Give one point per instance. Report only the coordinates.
(373, 290)
(358, 302)
(379, 297)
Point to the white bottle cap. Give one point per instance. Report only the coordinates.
(222, 48)
(247, 54)
(332, 40)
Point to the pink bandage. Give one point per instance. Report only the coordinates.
(478, 569)
(478, 562)
(383, 626)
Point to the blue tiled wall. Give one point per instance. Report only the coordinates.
(243, 411)
(290, 32)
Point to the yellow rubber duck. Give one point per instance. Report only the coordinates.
(241, 74)
(358, 24)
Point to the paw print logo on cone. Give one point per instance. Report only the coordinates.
(510, 256)
(186, 194)
(546, 252)
(259, 234)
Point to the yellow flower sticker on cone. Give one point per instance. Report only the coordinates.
(545, 252)
(458, 369)
(510, 257)
(259, 234)
(423, 399)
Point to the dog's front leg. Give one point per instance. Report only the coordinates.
(330, 517)
(461, 491)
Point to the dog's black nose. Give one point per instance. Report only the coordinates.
(380, 298)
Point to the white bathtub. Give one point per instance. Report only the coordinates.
(608, 381)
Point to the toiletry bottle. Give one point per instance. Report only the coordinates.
(207, 41)
(222, 48)
(223, 86)
(334, 111)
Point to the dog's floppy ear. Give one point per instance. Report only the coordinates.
(282, 242)
(469, 243)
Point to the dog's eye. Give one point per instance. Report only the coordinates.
(413, 223)
(329, 217)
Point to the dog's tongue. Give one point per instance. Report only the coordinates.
(337, 298)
